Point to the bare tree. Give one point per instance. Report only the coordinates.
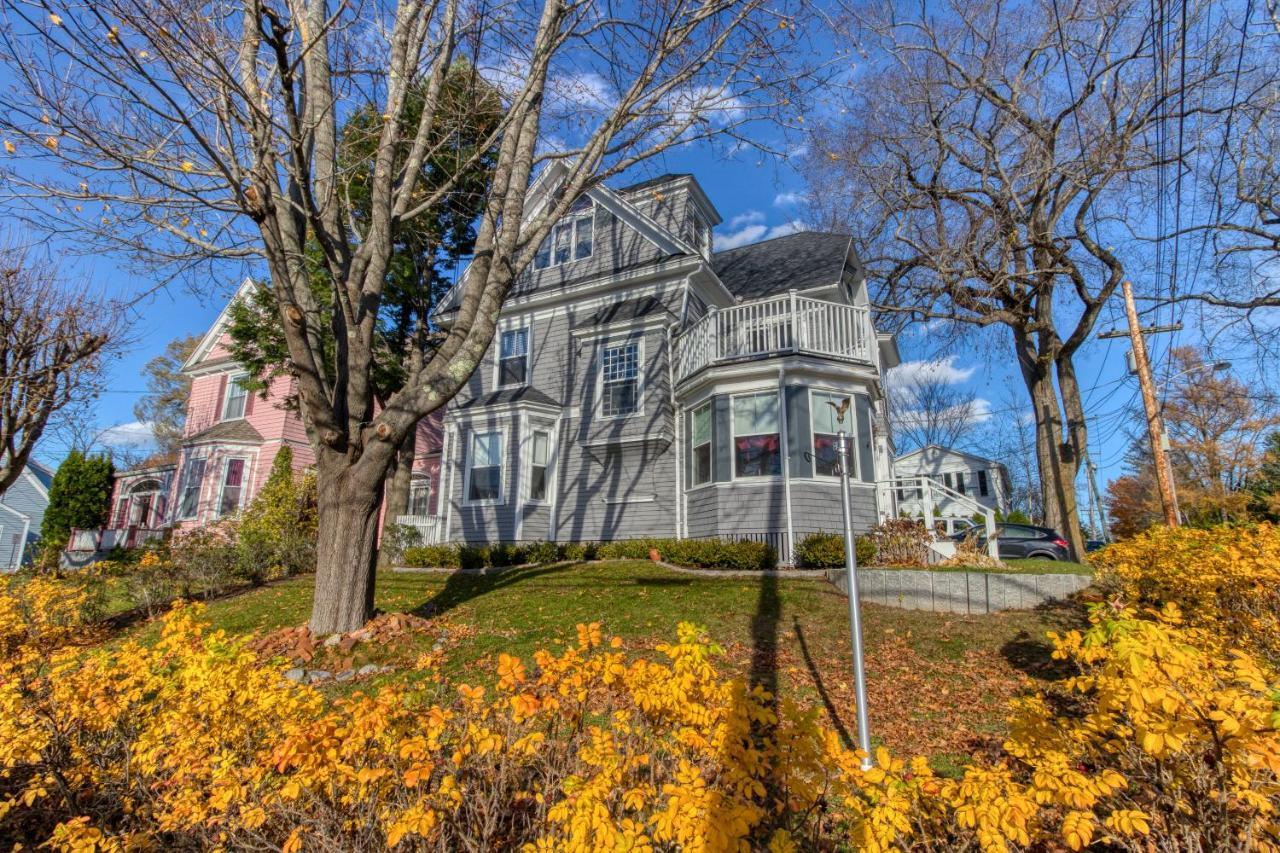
(53, 343)
(926, 408)
(992, 162)
(185, 133)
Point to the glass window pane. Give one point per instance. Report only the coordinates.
(538, 483)
(541, 444)
(824, 413)
(511, 371)
(542, 258)
(702, 464)
(515, 342)
(982, 483)
(484, 449)
(236, 397)
(757, 456)
(563, 236)
(755, 414)
(485, 483)
(825, 454)
(582, 243)
(702, 425)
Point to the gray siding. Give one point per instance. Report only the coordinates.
(754, 509)
(26, 499)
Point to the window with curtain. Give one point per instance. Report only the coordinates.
(232, 486)
(826, 452)
(513, 357)
(485, 471)
(192, 480)
(620, 380)
(700, 441)
(757, 450)
(539, 455)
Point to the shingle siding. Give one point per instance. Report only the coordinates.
(28, 503)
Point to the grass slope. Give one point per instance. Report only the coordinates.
(938, 683)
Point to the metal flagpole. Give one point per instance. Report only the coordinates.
(855, 613)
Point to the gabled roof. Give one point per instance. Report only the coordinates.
(664, 178)
(948, 451)
(219, 327)
(238, 430)
(800, 261)
(41, 472)
(611, 200)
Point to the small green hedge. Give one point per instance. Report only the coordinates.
(826, 551)
(699, 553)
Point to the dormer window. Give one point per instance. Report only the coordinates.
(237, 395)
(572, 239)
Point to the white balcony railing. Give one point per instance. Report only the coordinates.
(106, 538)
(782, 324)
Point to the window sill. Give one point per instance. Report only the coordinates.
(496, 502)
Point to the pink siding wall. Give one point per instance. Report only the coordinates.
(277, 425)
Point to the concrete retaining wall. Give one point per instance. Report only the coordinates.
(958, 592)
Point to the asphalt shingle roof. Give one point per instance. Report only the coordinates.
(240, 430)
(628, 309)
(801, 261)
(509, 395)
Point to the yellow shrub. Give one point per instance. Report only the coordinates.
(1225, 579)
(193, 742)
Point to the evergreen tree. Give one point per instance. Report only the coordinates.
(1264, 483)
(277, 533)
(79, 497)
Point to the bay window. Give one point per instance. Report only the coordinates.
(484, 467)
(700, 441)
(757, 450)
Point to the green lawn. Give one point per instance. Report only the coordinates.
(1038, 566)
(939, 683)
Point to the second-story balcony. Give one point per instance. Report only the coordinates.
(781, 325)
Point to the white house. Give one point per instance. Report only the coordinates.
(978, 479)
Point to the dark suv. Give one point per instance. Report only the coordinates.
(1023, 540)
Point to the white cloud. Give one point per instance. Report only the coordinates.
(787, 199)
(754, 233)
(747, 217)
(136, 434)
(940, 370)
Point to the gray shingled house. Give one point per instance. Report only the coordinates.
(642, 385)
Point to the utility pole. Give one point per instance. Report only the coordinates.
(1164, 476)
(1092, 470)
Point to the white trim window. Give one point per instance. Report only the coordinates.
(983, 489)
(757, 443)
(620, 380)
(484, 468)
(235, 477)
(539, 465)
(513, 357)
(826, 451)
(572, 239)
(419, 495)
(700, 444)
(192, 481)
(237, 398)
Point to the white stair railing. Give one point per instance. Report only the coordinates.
(926, 491)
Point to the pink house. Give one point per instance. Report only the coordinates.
(230, 441)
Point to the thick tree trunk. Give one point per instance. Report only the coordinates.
(347, 545)
(1059, 462)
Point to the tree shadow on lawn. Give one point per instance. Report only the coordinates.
(1033, 653)
(833, 714)
(462, 587)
